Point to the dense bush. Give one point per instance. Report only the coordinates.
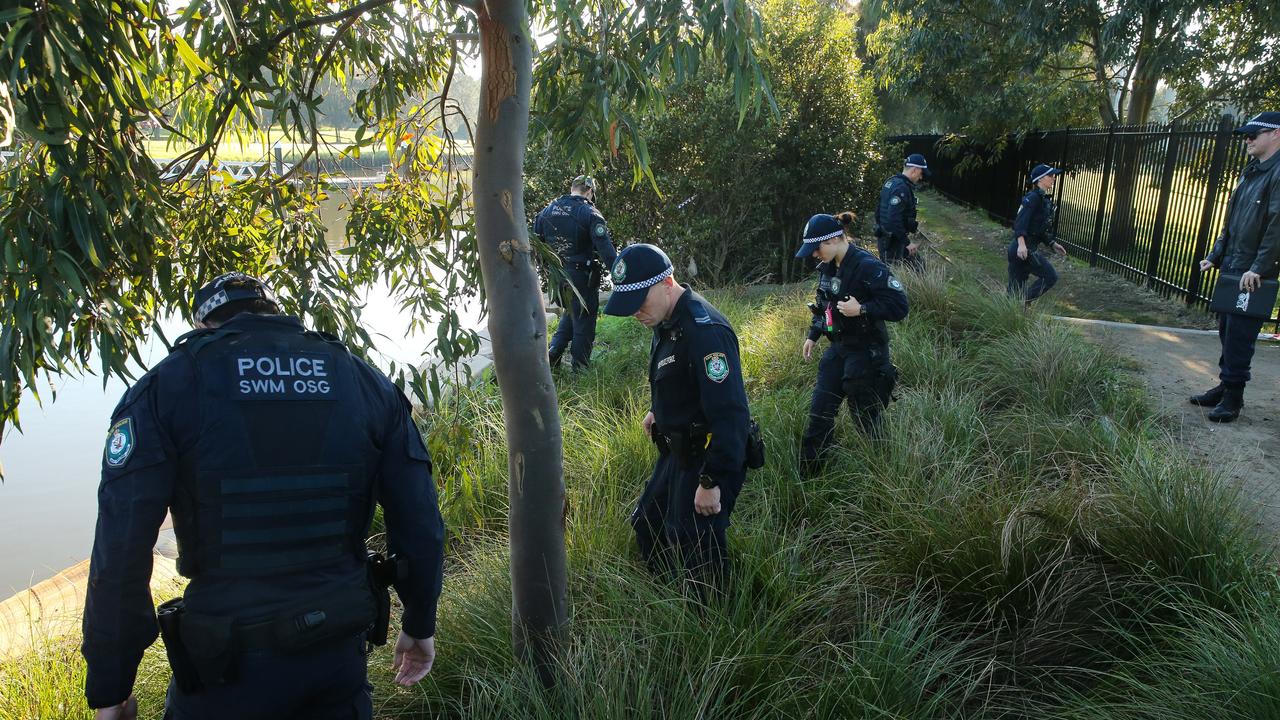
(729, 194)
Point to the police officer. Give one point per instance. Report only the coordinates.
(1249, 246)
(1030, 230)
(857, 295)
(576, 231)
(269, 444)
(698, 417)
(896, 213)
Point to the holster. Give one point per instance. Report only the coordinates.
(170, 617)
(754, 458)
(383, 573)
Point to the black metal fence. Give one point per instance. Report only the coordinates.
(1143, 201)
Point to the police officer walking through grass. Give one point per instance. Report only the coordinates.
(576, 231)
(1030, 230)
(896, 213)
(698, 417)
(270, 444)
(1249, 246)
(857, 295)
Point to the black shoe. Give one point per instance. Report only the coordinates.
(1229, 408)
(1209, 398)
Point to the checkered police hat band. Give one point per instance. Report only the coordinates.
(922, 167)
(213, 303)
(824, 238)
(630, 287)
(1259, 123)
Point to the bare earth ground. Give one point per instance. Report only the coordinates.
(1177, 364)
(1159, 334)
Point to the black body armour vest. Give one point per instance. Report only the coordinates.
(279, 479)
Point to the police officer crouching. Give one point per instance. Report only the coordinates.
(270, 444)
(576, 231)
(698, 417)
(856, 296)
(896, 214)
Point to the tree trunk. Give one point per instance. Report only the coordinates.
(517, 327)
(1146, 76)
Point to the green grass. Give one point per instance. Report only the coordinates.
(970, 244)
(1029, 543)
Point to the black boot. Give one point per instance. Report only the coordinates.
(1208, 398)
(1229, 408)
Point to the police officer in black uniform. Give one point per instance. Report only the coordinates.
(1030, 230)
(857, 295)
(576, 230)
(896, 213)
(270, 444)
(698, 417)
(1249, 246)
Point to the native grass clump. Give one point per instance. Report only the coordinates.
(1028, 543)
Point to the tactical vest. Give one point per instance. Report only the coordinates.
(858, 332)
(279, 480)
(566, 235)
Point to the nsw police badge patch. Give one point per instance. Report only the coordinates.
(619, 271)
(895, 283)
(717, 366)
(599, 230)
(120, 443)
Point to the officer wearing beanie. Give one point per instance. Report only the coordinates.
(857, 295)
(270, 445)
(576, 231)
(1030, 230)
(1249, 246)
(896, 213)
(698, 417)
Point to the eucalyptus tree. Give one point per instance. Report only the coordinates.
(100, 241)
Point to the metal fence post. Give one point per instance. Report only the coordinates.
(1102, 195)
(1217, 166)
(1173, 140)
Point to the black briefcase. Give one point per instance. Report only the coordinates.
(1229, 298)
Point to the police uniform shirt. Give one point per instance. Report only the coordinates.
(695, 375)
(868, 280)
(574, 228)
(896, 213)
(153, 448)
(1034, 215)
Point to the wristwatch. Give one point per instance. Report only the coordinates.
(706, 482)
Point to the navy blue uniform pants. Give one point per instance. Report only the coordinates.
(1239, 337)
(1020, 270)
(672, 535)
(328, 683)
(894, 250)
(577, 329)
(864, 377)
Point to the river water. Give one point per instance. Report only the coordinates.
(48, 500)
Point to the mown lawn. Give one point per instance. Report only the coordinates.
(1028, 544)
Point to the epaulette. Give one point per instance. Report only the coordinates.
(196, 340)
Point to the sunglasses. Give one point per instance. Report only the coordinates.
(1254, 135)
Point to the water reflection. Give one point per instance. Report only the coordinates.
(48, 502)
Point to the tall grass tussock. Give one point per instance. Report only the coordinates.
(1029, 542)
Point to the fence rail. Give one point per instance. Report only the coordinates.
(1142, 201)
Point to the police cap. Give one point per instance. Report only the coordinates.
(226, 288)
(819, 228)
(916, 160)
(638, 268)
(584, 181)
(1041, 170)
(1261, 122)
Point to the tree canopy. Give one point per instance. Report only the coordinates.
(988, 67)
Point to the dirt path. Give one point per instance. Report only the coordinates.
(1178, 363)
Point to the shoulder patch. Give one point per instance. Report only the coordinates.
(120, 443)
(600, 229)
(717, 366)
(895, 283)
(895, 200)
